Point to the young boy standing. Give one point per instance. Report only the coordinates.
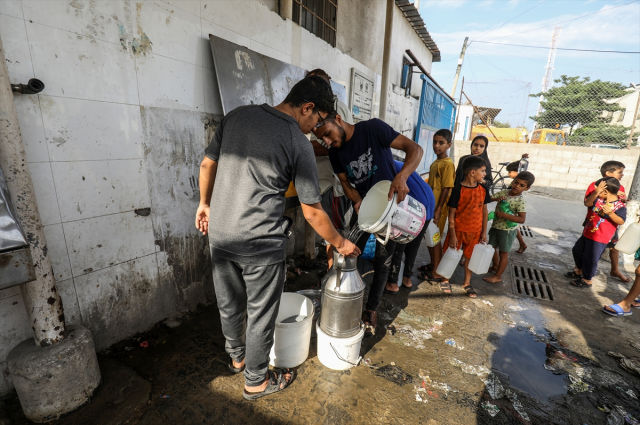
(442, 176)
(468, 217)
(611, 169)
(606, 213)
(501, 236)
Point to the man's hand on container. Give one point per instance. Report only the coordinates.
(202, 218)
(348, 248)
(399, 186)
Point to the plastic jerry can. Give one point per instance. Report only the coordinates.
(432, 235)
(449, 262)
(629, 242)
(481, 258)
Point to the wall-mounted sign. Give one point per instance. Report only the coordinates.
(361, 96)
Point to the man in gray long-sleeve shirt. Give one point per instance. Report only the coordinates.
(256, 151)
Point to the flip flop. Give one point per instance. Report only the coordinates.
(572, 275)
(388, 292)
(233, 369)
(580, 283)
(276, 378)
(619, 312)
(445, 286)
(470, 291)
(427, 275)
(637, 302)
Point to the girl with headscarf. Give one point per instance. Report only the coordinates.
(479, 147)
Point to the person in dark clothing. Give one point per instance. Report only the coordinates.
(256, 151)
(361, 156)
(479, 147)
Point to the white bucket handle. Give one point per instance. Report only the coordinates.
(394, 207)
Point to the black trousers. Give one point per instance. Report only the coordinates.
(410, 251)
(586, 254)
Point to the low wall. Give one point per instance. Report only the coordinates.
(561, 171)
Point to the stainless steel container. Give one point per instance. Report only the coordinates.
(343, 291)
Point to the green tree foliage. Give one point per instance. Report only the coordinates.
(581, 101)
(499, 124)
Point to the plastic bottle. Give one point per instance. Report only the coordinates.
(481, 258)
(630, 240)
(449, 262)
(506, 208)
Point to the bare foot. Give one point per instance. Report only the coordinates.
(238, 365)
(406, 281)
(260, 388)
(493, 269)
(391, 287)
(620, 276)
(522, 249)
(493, 279)
(635, 305)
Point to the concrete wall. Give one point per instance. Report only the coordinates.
(115, 139)
(561, 171)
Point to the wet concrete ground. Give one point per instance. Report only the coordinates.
(436, 358)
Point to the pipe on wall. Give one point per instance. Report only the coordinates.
(386, 59)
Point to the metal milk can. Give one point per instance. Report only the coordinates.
(342, 298)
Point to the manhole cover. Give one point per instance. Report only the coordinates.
(526, 231)
(530, 282)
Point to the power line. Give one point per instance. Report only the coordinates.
(558, 48)
(504, 23)
(572, 19)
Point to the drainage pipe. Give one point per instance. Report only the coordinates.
(41, 298)
(386, 59)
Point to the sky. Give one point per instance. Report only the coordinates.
(497, 21)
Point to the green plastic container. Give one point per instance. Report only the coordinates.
(505, 208)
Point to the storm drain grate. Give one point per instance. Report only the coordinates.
(526, 231)
(530, 282)
(528, 273)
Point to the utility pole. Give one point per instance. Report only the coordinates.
(455, 81)
(635, 118)
(386, 58)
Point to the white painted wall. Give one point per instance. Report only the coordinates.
(129, 106)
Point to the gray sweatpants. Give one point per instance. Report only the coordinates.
(248, 299)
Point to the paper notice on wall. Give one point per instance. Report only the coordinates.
(361, 96)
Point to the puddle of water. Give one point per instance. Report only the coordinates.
(551, 249)
(523, 358)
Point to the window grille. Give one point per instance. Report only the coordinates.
(317, 17)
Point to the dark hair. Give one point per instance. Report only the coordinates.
(527, 177)
(473, 163)
(444, 133)
(486, 141)
(311, 89)
(319, 72)
(610, 166)
(613, 184)
(513, 166)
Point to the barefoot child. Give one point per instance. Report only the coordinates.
(612, 169)
(514, 169)
(442, 175)
(606, 213)
(623, 308)
(501, 236)
(468, 217)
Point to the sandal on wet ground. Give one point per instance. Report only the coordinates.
(572, 275)
(277, 382)
(471, 293)
(580, 283)
(428, 276)
(618, 311)
(445, 287)
(234, 369)
(370, 319)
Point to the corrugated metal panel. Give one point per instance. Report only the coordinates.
(413, 16)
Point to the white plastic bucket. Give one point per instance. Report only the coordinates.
(339, 353)
(481, 258)
(449, 262)
(291, 340)
(389, 220)
(432, 235)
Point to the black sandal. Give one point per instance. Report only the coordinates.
(580, 283)
(425, 268)
(276, 379)
(235, 369)
(445, 287)
(470, 291)
(428, 276)
(572, 275)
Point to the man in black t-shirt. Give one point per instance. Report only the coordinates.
(361, 156)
